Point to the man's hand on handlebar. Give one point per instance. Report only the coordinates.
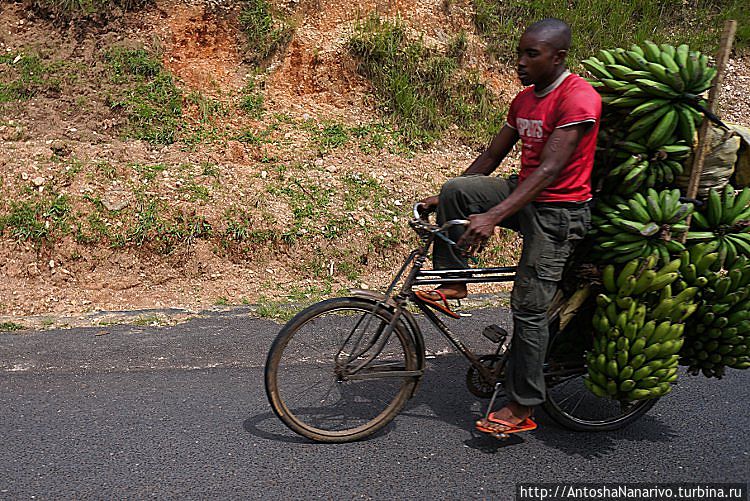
(481, 228)
(429, 204)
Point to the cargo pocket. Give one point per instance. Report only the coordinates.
(532, 293)
(580, 223)
(554, 222)
(552, 259)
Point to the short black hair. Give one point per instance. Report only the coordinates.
(557, 32)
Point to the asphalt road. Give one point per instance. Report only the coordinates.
(181, 412)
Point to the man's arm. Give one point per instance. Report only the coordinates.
(488, 161)
(555, 155)
(501, 144)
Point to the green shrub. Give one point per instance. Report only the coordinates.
(600, 24)
(265, 31)
(149, 98)
(424, 91)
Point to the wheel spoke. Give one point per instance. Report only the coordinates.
(571, 404)
(306, 374)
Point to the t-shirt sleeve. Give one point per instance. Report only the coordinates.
(580, 105)
(510, 120)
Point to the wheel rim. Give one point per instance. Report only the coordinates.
(566, 393)
(314, 391)
(570, 398)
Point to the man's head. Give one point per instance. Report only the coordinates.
(542, 51)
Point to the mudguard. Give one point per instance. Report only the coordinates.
(407, 320)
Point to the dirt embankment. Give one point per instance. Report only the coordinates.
(320, 147)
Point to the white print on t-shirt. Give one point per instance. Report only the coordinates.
(529, 128)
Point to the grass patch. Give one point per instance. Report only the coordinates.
(10, 327)
(149, 98)
(36, 220)
(148, 320)
(309, 294)
(276, 310)
(266, 31)
(331, 136)
(210, 169)
(23, 76)
(243, 235)
(309, 204)
(196, 192)
(64, 10)
(605, 24)
(164, 234)
(361, 188)
(208, 108)
(251, 100)
(423, 90)
(148, 172)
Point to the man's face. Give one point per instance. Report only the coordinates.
(537, 59)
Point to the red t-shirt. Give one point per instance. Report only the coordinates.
(572, 102)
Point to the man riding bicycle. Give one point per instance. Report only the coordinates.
(557, 121)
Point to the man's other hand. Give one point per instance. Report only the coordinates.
(481, 228)
(429, 204)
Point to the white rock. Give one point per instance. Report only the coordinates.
(38, 181)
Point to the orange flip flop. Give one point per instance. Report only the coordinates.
(442, 307)
(489, 425)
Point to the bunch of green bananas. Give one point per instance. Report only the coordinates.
(639, 326)
(655, 85)
(726, 220)
(720, 335)
(640, 227)
(636, 166)
(695, 269)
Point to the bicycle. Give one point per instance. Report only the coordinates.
(363, 355)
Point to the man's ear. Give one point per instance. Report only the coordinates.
(560, 56)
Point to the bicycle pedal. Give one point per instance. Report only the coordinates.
(495, 333)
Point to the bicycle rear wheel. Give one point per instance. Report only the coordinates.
(327, 377)
(569, 402)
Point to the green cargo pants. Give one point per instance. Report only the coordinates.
(550, 232)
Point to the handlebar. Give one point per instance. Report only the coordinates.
(418, 217)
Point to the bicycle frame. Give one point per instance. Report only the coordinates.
(417, 276)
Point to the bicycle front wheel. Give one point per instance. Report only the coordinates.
(339, 372)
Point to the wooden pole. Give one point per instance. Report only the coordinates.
(722, 57)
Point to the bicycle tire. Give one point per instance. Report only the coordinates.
(590, 413)
(322, 328)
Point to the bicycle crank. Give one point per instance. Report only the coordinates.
(478, 385)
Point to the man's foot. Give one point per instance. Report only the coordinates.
(450, 291)
(438, 298)
(512, 418)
